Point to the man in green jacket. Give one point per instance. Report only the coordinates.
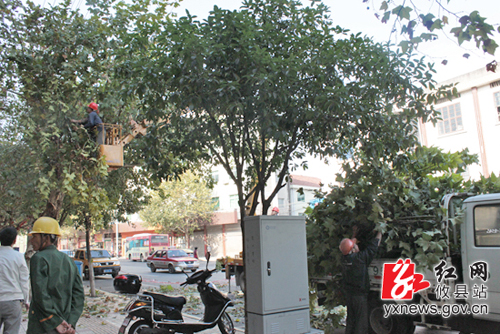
(56, 284)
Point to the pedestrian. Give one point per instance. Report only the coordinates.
(14, 286)
(56, 283)
(195, 252)
(356, 282)
(92, 123)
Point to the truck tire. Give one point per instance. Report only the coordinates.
(391, 325)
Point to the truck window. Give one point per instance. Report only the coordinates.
(487, 225)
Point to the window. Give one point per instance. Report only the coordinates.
(497, 104)
(487, 225)
(215, 203)
(451, 119)
(301, 197)
(215, 177)
(233, 201)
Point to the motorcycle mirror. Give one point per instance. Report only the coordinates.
(208, 258)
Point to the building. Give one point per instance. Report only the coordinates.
(472, 120)
(224, 234)
(297, 195)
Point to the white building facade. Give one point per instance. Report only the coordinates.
(470, 121)
(223, 235)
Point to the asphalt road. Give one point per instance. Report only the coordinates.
(150, 279)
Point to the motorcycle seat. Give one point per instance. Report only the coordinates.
(174, 301)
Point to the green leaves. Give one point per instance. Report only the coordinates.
(402, 12)
(180, 206)
(471, 27)
(54, 61)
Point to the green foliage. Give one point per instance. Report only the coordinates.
(328, 320)
(471, 27)
(253, 89)
(400, 199)
(180, 206)
(54, 61)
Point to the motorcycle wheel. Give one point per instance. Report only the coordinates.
(138, 326)
(226, 324)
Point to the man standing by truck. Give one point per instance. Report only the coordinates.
(356, 282)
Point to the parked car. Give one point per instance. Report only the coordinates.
(173, 260)
(128, 283)
(102, 261)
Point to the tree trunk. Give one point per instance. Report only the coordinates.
(54, 204)
(89, 256)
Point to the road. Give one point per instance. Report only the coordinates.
(163, 277)
(160, 277)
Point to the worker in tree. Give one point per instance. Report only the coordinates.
(93, 124)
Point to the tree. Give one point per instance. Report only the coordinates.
(412, 21)
(180, 206)
(18, 206)
(255, 88)
(55, 61)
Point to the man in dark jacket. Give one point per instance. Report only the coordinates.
(356, 282)
(56, 284)
(93, 123)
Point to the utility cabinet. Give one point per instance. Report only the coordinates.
(276, 275)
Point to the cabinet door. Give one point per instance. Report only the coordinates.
(284, 264)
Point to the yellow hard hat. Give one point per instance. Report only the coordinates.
(46, 225)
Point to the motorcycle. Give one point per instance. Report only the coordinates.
(160, 314)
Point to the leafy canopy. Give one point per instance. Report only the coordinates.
(54, 61)
(255, 88)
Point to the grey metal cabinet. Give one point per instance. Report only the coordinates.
(276, 274)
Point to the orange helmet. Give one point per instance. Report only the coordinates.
(275, 209)
(346, 246)
(93, 106)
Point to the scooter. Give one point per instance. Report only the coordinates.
(157, 313)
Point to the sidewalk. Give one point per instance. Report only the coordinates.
(111, 323)
(104, 315)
